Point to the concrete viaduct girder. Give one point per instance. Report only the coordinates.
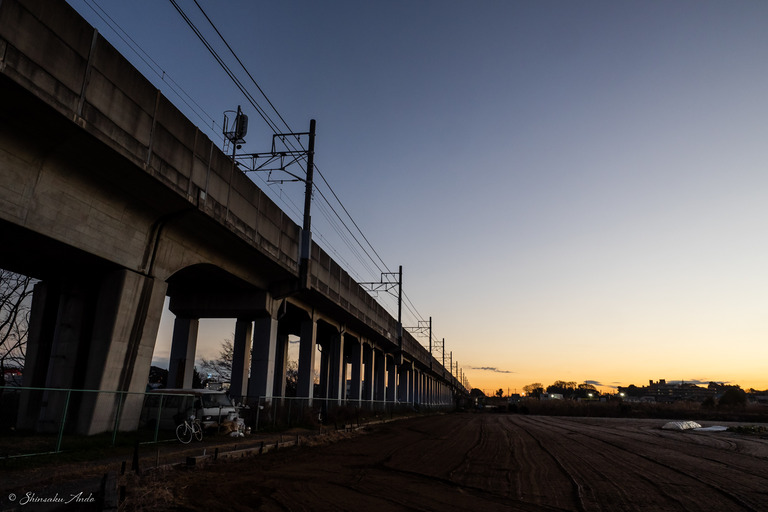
(115, 200)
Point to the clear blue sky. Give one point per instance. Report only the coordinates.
(576, 190)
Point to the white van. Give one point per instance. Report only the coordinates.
(210, 406)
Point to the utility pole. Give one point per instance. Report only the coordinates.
(400, 309)
(306, 231)
(430, 338)
(282, 155)
(386, 285)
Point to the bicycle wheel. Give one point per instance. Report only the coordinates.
(197, 431)
(184, 433)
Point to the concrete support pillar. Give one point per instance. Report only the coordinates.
(325, 357)
(416, 382)
(183, 347)
(379, 374)
(307, 348)
(127, 318)
(96, 333)
(354, 351)
(62, 358)
(263, 359)
(336, 381)
(368, 358)
(391, 378)
(403, 383)
(241, 359)
(281, 364)
(430, 390)
(42, 324)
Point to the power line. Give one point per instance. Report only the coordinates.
(285, 123)
(151, 64)
(285, 198)
(242, 65)
(410, 307)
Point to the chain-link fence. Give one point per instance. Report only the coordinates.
(274, 413)
(35, 421)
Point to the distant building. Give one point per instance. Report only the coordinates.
(673, 392)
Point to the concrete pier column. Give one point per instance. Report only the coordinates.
(307, 348)
(379, 375)
(368, 387)
(126, 320)
(354, 351)
(430, 390)
(281, 364)
(65, 354)
(42, 324)
(403, 383)
(336, 380)
(241, 359)
(325, 356)
(391, 378)
(183, 347)
(263, 358)
(96, 332)
(416, 386)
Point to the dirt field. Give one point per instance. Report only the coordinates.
(485, 462)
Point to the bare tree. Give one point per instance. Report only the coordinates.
(219, 370)
(15, 305)
(292, 378)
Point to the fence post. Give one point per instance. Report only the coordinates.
(120, 397)
(258, 410)
(159, 414)
(63, 421)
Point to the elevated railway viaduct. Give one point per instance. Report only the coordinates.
(114, 200)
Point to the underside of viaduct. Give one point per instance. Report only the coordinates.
(114, 200)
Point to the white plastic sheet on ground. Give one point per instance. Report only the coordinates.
(713, 428)
(681, 425)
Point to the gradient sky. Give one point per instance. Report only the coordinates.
(576, 190)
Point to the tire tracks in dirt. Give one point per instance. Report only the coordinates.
(682, 472)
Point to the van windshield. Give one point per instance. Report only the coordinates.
(216, 400)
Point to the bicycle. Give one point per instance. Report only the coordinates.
(189, 429)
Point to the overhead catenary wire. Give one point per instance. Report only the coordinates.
(272, 124)
(224, 66)
(287, 126)
(198, 111)
(153, 66)
(194, 107)
(378, 261)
